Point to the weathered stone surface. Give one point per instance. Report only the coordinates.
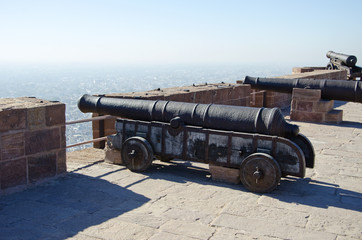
(205, 96)
(307, 116)
(36, 118)
(55, 114)
(220, 95)
(12, 146)
(12, 173)
(42, 140)
(193, 230)
(42, 166)
(334, 116)
(257, 98)
(12, 119)
(63, 138)
(323, 106)
(306, 94)
(304, 106)
(265, 227)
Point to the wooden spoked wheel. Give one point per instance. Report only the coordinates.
(137, 154)
(260, 173)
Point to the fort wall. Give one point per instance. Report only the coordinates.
(32, 141)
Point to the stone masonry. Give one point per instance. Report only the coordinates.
(307, 106)
(32, 141)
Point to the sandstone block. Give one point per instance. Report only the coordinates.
(95, 124)
(42, 166)
(55, 114)
(204, 96)
(179, 96)
(239, 91)
(323, 106)
(36, 118)
(42, 140)
(96, 133)
(257, 99)
(12, 146)
(245, 101)
(307, 116)
(109, 123)
(12, 119)
(307, 94)
(108, 132)
(63, 138)
(305, 106)
(219, 94)
(334, 116)
(13, 173)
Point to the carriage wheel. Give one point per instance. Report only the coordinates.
(330, 66)
(137, 154)
(260, 173)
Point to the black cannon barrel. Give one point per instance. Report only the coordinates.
(330, 89)
(268, 121)
(348, 60)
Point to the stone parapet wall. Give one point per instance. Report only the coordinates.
(317, 73)
(32, 141)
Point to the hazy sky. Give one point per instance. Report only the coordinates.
(183, 31)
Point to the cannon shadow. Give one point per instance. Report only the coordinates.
(64, 207)
(294, 190)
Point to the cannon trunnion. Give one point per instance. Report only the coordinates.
(262, 158)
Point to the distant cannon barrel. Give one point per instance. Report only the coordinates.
(330, 89)
(348, 60)
(269, 121)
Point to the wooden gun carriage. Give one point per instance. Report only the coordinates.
(257, 141)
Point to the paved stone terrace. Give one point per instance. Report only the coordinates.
(97, 200)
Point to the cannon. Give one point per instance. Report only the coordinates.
(256, 141)
(340, 61)
(330, 89)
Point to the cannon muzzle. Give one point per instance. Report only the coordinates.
(330, 89)
(269, 121)
(348, 60)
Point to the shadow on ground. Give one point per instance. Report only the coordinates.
(64, 207)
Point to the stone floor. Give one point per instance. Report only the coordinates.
(97, 200)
